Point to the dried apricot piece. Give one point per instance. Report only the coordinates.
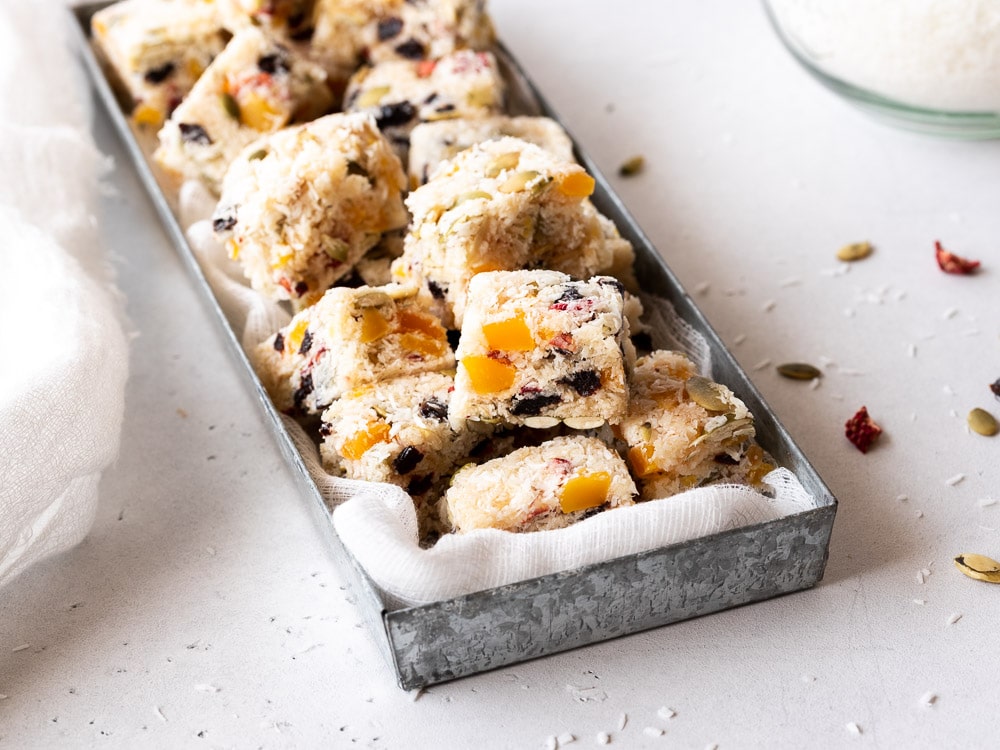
(585, 491)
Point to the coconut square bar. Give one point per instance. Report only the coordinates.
(683, 430)
(397, 431)
(538, 348)
(255, 86)
(158, 49)
(546, 487)
(292, 19)
(301, 206)
(375, 31)
(435, 142)
(350, 338)
(502, 205)
(400, 94)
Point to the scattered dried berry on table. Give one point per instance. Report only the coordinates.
(855, 251)
(983, 423)
(995, 387)
(861, 430)
(951, 263)
(799, 371)
(632, 167)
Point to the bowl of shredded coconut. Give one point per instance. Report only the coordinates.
(927, 65)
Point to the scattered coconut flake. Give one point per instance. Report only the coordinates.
(3, 697)
(768, 305)
(928, 699)
(902, 498)
(952, 481)
(950, 313)
(205, 688)
(739, 338)
(920, 601)
(551, 743)
(603, 738)
(850, 371)
(920, 514)
(702, 288)
(565, 739)
(954, 617)
(912, 350)
(653, 732)
(953, 413)
(713, 746)
(986, 502)
(848, 312)
(853, 728)
(948, 391)
(22, 647)
(814, 384)
(622, 721)
(666, 713)
(790, 281)
(837, 396)
(920, 576)
(762, 365)
(900, 295)
(415, 695)
(210, 550)
(159, 714)
(808, 678)
(913, 416)
(587, 694)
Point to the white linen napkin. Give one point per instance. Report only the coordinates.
(63, 351)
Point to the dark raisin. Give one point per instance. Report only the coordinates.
(571, 293)
(407, 460)
(160, 74)
(436, 290)
(301, 288)
(303, 391)
(725, 458)
(325, 429)
(995, 387)
(531, 406)
(303, 35)
(613, 282)
(279, 342)
(453, 337)
(420, 485)
(430, 99)
(273, 64)
(192, 133)
(584, 382)
(434, 409)
(445, 108)
(481, 449)
(223, 223)
(393, 115)
(389, 27)
(643, 341)
(411, 49)
(307, 342)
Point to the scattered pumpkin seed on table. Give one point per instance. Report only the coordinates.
(632, 167)
(979, 567)
(799, 371)
(983, 423)
(855, 251)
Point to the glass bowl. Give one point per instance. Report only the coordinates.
(927, 65)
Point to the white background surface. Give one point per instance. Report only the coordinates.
(204, 611)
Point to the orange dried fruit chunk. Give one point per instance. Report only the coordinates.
(487, 375)
(259, 114)
(147, 115)
(296, 334)
(577, 185)
(358, 444)
(585, 491)
(510, 335)
(640, 458)
(410, 321)
(373, 325)
(415, 342)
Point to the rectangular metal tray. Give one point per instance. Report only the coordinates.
(489, 629)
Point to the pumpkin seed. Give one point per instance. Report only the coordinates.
(632, 167)
(518, 181)
(583, 423)
(231, 107)
(502, 162)
(472, 195)
(799, 371)
(980, 567)
(336, 249)
(855, 251)
(372, 96)
(258, 154)
(707, 394)
(983, 423)
(540, 423)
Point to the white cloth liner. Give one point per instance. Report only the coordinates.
(377, 522)
(64, 359)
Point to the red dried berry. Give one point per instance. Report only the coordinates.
(951, 263)
(861, 430)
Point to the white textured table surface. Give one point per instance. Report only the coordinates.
(204, 611)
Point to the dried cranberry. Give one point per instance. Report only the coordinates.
(273, 64)
(307, 342)
(303, 391)
(951, 263)
(160, 74)
(436, 290)
(301, 288)
(279, 342)
(389, 27)
(584, 382)
(223, 223)
(393, 115)
(861, 430)
(411, 49)
(563, 343)
(192, 133)
(434, 409)
(531, 406)
(420, 485)
(407, 460)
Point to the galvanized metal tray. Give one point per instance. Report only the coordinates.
(489, 629)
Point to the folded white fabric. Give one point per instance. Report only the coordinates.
(64, 360)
